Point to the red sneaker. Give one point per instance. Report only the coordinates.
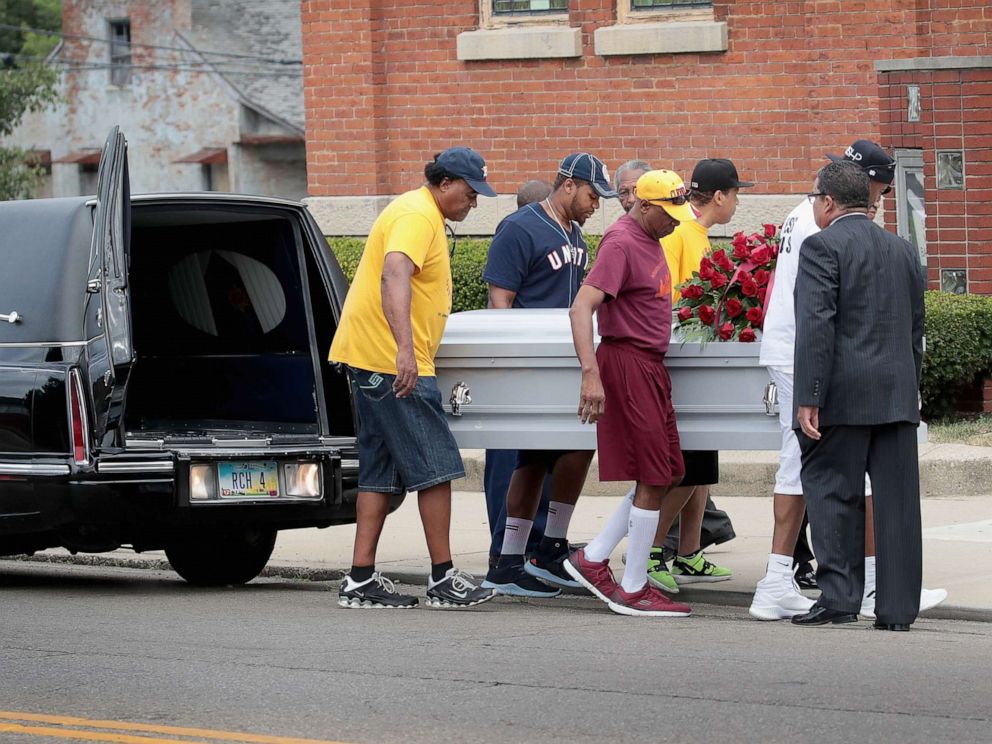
(596, 577)
(649, 602)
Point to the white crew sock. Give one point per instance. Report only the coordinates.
(779, 565)
(559, 515)
(869, 573)
(609, 537)
(515, 536)
(641, 528)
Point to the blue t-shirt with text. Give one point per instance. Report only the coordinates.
(529, 255)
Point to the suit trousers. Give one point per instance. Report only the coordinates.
(833, 478)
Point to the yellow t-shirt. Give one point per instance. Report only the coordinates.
(684, 249)
(413, 225)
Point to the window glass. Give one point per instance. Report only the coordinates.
(511, 7)
(120, 52)
(664, 4)
(910, 206)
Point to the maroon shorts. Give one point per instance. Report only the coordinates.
(637, 436)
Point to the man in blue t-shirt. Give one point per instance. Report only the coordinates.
(538, 258)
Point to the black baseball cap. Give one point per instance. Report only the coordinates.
(716, 174)
(875, 161)
(589, 168)
(467, 164)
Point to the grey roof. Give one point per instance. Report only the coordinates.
(267, 29)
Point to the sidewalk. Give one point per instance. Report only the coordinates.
(957, 548)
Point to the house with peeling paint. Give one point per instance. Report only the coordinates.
(208, 92)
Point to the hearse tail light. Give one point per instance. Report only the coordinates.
(77, 419)
(302, 479)
(202, 484)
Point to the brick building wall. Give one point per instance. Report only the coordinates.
(954, 119)
(384, 89)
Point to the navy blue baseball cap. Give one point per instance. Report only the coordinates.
(467, 164)
(876, 162)
(589, 168)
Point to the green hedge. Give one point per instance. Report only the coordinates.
(959, 348)
(468, 290)
(958, 327)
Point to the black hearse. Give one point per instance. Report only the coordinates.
(163, 376)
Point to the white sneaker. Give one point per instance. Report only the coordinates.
(929, 598)
(778, 598)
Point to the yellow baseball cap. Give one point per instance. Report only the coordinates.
(665, 189)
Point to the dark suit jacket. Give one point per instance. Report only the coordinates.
(859, 325)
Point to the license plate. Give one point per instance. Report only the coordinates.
(248, 480)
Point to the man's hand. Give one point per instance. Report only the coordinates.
(406, 373)
(809, 421)
(592, 398)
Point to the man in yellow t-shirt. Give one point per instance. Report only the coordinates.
(713, 195)
(389, 332)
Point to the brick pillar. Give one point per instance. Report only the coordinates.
(343, 75)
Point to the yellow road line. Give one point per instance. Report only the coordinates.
(135, 728)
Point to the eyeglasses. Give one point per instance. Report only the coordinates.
(812, 196)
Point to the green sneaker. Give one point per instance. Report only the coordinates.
(697, 570)
(659, 575)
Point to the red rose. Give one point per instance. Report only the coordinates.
(705, 269)
(734, 307)
(706, 314)
(748, 287)
(685, 313)
(770, 230)
(762, 291)
(726, 331)
(718, 280)
(762, 255)
(738, 239)
(761, 277)
(721, 259)
(741, 251)
(747, 335)
(692, 292)
(753, 314)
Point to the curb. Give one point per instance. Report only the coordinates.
(946, 471)
(701, 595)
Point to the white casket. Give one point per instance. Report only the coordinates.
(510, 380)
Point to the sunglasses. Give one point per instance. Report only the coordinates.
(678, 201)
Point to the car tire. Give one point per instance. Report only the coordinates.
(219, 559)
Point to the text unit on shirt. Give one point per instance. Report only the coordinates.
(567, 254)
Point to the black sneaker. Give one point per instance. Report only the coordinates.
(456, 589)
(516, 582)
(552, 570)
(806, 576)
(376, 593)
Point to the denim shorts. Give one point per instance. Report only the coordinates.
(404, 444)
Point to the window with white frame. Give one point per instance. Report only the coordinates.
(632, 11)
(120, 51)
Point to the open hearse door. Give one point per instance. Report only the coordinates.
(108, 308)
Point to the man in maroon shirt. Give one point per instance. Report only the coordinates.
(627, 390)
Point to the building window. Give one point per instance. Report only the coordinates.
(503, 13)
(516, 7)
(655, 11)
(120, 52)
(88, 175)
(911, 210)
(637, 5)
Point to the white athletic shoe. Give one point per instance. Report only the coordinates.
(929, 598)
(778, 598)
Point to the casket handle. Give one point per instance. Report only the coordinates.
(770, 399)
(461, 395)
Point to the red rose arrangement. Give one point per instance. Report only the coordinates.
(725, 299)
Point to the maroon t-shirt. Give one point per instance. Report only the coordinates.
(631, 269)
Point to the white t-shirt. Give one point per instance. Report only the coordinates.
(778, 336)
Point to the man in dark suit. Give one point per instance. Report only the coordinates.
(858, 357)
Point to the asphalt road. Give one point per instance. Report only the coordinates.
(129, 655)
